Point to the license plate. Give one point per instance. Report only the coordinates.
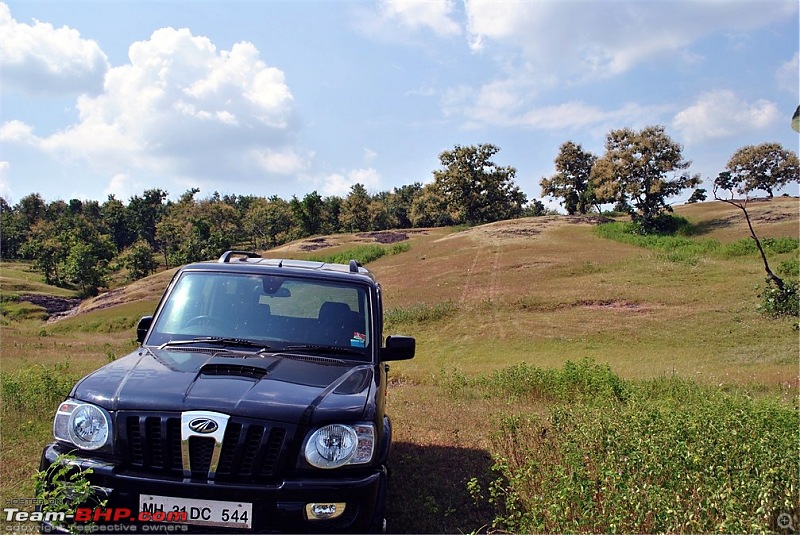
(198, 512)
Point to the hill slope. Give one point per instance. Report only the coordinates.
(549, 289)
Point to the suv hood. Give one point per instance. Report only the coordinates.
(292, 388)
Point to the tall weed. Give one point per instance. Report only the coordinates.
(419, 314)
(363, 254)
(682, 246)
(37, 389)
(667, 455)
(584, 379)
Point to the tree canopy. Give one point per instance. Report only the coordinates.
(475, 189)
(642, 169)
(572, 181)
(764, 167)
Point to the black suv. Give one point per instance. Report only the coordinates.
(255, 403)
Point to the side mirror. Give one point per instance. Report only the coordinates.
(142, 328)
(398, 348)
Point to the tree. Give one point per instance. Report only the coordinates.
(400, 201)
(116, 219)
(429, 209)
(308, 213)
(13, 231)
(86, 265)
(475, 189)
(269, 222)
(355, 210)
(636, 170)
(783, 296)
(698, 195)
(138, 260)
(145, 213)
(572, 181)
(764, 167)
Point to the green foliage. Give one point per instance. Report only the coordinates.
(364, 254)
(764, 167)
(64, 487)
(780, 302)
(419, 314)
(572, 181)
(663, 455)
(678, 240)
(11, 308)
(634, 171)
(98, 324)
(37, 389)
(138, 260)
(698, 195)
(475, 189)
(580, 380)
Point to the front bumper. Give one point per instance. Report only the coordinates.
(277, 507)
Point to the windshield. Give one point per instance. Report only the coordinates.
(275, 311)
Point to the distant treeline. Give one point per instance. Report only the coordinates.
(80, 244)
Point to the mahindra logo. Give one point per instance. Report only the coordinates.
(203, 425)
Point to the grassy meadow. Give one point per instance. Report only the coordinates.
(566, 380)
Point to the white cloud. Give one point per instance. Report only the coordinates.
(433, 15)
(590, 40)
(123, 187)
(405, 21)
(722, 114)
(544, 47)
(501, 104)
(286, 162)
(39, 58)
(182, 108)
(340, 184)
(17, 132)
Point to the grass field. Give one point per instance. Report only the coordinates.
(563, 381)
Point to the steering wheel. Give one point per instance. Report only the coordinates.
(199, 320)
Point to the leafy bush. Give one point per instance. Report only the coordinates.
(664, 455)
(64, 487)
(576, 380)
(780, 302)
(363, 254)
(37, 389)
(420, 313)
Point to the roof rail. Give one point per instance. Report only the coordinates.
(354, 265)
(226, 256)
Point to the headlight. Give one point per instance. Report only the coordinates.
(336, 445)
(82, 424)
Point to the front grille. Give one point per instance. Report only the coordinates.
(252, 450)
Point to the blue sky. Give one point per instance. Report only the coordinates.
(288, 97)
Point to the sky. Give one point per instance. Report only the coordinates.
(289, 97)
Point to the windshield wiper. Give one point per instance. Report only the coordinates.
(313, 348)
(217, 340)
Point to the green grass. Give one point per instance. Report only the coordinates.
(364, 254)
(683, 246)
(610, 455)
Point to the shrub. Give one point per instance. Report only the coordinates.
(780, 302)
(37, 389)
(363, 254)
(420, 313)
(664, 455)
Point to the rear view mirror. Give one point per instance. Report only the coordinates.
(143, 327)
(398, 347)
